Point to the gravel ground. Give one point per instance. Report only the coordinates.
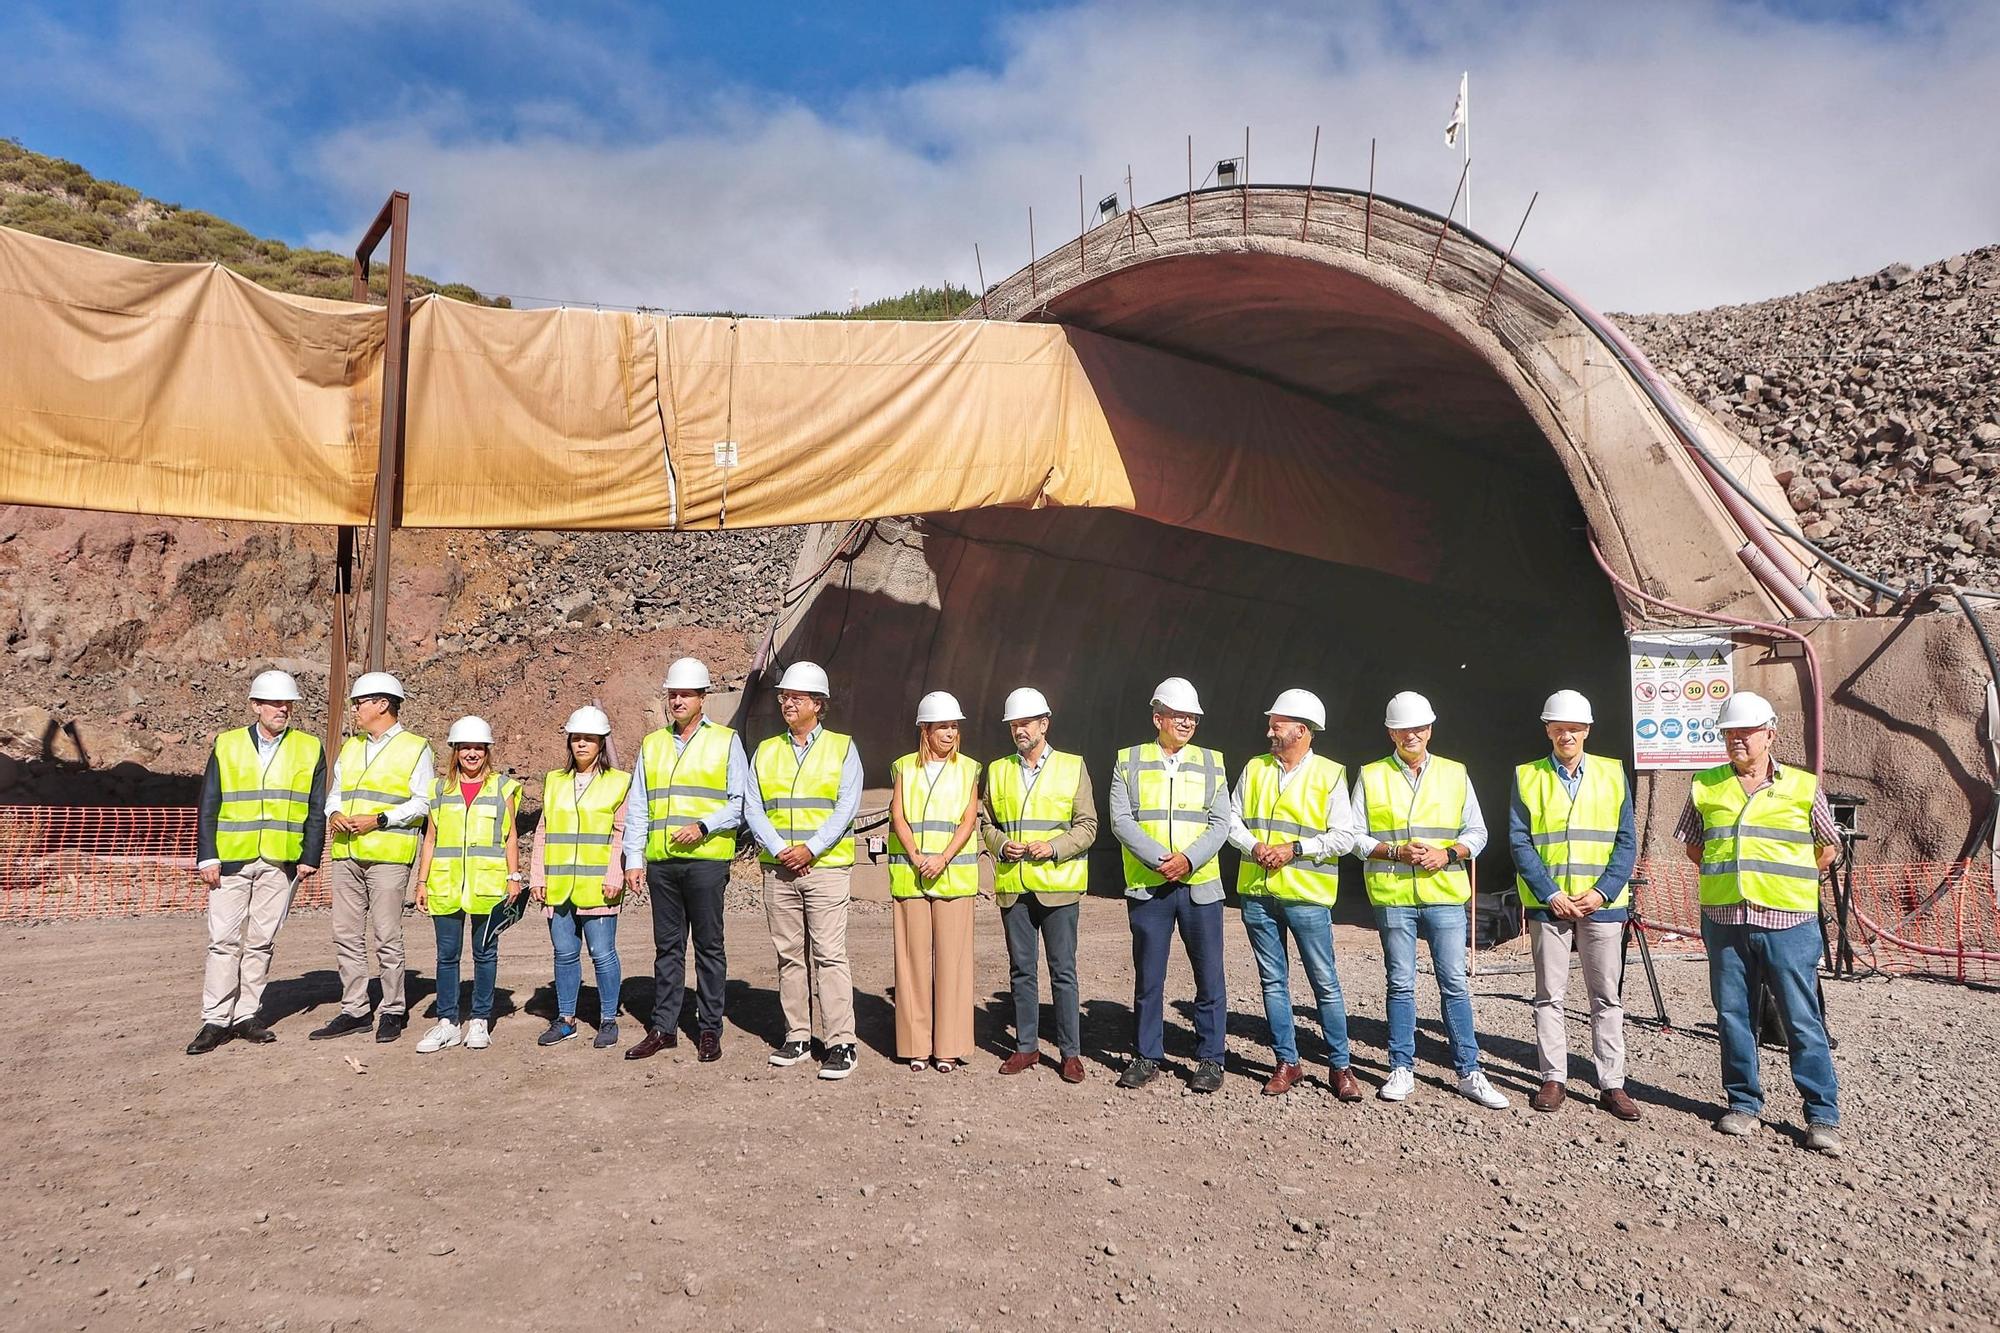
(281, 1187)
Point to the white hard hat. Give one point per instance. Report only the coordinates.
(804, 678)
(469, 731)
(688, 673)
(275, 687)
(1177, 694)
(1747, 709)
(1568, 706)
(375, 682)
(1023, 703)
(1301, 704)
(588, 721)
(1409, 709)
(938, 706)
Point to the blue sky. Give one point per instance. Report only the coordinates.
(779, 157)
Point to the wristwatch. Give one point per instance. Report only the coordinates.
(514, 877)
(381, 819)
(1451, 855)
(1298, 848)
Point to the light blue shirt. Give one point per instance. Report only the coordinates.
(638, 815)
(846, 803)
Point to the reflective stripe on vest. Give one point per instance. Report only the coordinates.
(576, 834)
(1433, 814)
(933, 811)
(685, 786)
(469, 858)
(374, 787)
(1171, 808)
(800, 798)
(1574, 840)
(1031, 813)
(265, 803)
(1758, 849)
(1298, 811)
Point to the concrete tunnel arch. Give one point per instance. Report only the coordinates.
(1354, 472)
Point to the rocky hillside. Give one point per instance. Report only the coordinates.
(1878, 401)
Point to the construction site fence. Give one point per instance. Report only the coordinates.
(1920, 918)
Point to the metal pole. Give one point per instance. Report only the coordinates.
(980, 265)
(1034, 288)
(394, 222)
(1445, 226)
(1131, 211)
(1190, 193)
(1508, 258)
(1246, 180)
(1311, 172)
(1368, 213)
(1081, 266)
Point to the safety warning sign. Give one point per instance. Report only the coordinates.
(1679, 681)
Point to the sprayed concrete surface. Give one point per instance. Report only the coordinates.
(280, 1187)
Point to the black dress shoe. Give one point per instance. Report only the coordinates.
(709, 1044)
(340, 1026)
(211, 1036)
(1139, 1073)
(253, 1031)
(389, 1027)
(1207, 1076)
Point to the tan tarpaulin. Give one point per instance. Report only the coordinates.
(184, 389)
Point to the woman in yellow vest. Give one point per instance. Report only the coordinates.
(470, 864)
(576, 873)
(934, 882)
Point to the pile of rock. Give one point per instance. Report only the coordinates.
(1876, 399)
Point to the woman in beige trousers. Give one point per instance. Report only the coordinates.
(934, 883)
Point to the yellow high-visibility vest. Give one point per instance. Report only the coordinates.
(1758, 849)
(1280, 816)
(686, 786)
(1432, 814)
(371, 788)
(576, 834)
(265, 803)
(933, 810)
(469, 857)
(1036, 814)
(1575, 839)
(1171, 808)
(799, 798)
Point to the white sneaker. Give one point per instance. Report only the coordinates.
(478, 1036)
(439, 1037)
(1475, 1086)
(1400, 1085)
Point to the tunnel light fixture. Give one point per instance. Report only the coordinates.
(1107, 208)
(1226, 171)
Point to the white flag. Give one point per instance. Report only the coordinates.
(1461, 113)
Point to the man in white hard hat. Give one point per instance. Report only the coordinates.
(1292, 820)
(1038, 820)
(1570, 829)
(1420, 825)
(808, 787)
(1170, 813)
(681, 817)
(376, 802)
(1762, 835)
(259, 833)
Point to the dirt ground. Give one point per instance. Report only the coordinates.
(278, 1187)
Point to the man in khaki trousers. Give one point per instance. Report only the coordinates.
(376, 804)
(806, 787)
(260, 831)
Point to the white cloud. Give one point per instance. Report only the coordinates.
(1686, 155)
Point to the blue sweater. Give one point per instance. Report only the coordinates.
(1528, 862)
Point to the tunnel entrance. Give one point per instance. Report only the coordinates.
(1335, 491)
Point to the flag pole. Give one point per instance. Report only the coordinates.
(1468, 151)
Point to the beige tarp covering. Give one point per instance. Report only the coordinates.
(185, 389)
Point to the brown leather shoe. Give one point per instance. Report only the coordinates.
(1549, 1097)
(1020, 1061)
(1345, 1085)
(1072, 1069)
(1283, 1079)
(709, 1044)
(1620, 1103)
(652, 1044)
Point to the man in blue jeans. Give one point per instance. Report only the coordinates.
(1420, 826)
(1291, 818)
(1762, 835)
